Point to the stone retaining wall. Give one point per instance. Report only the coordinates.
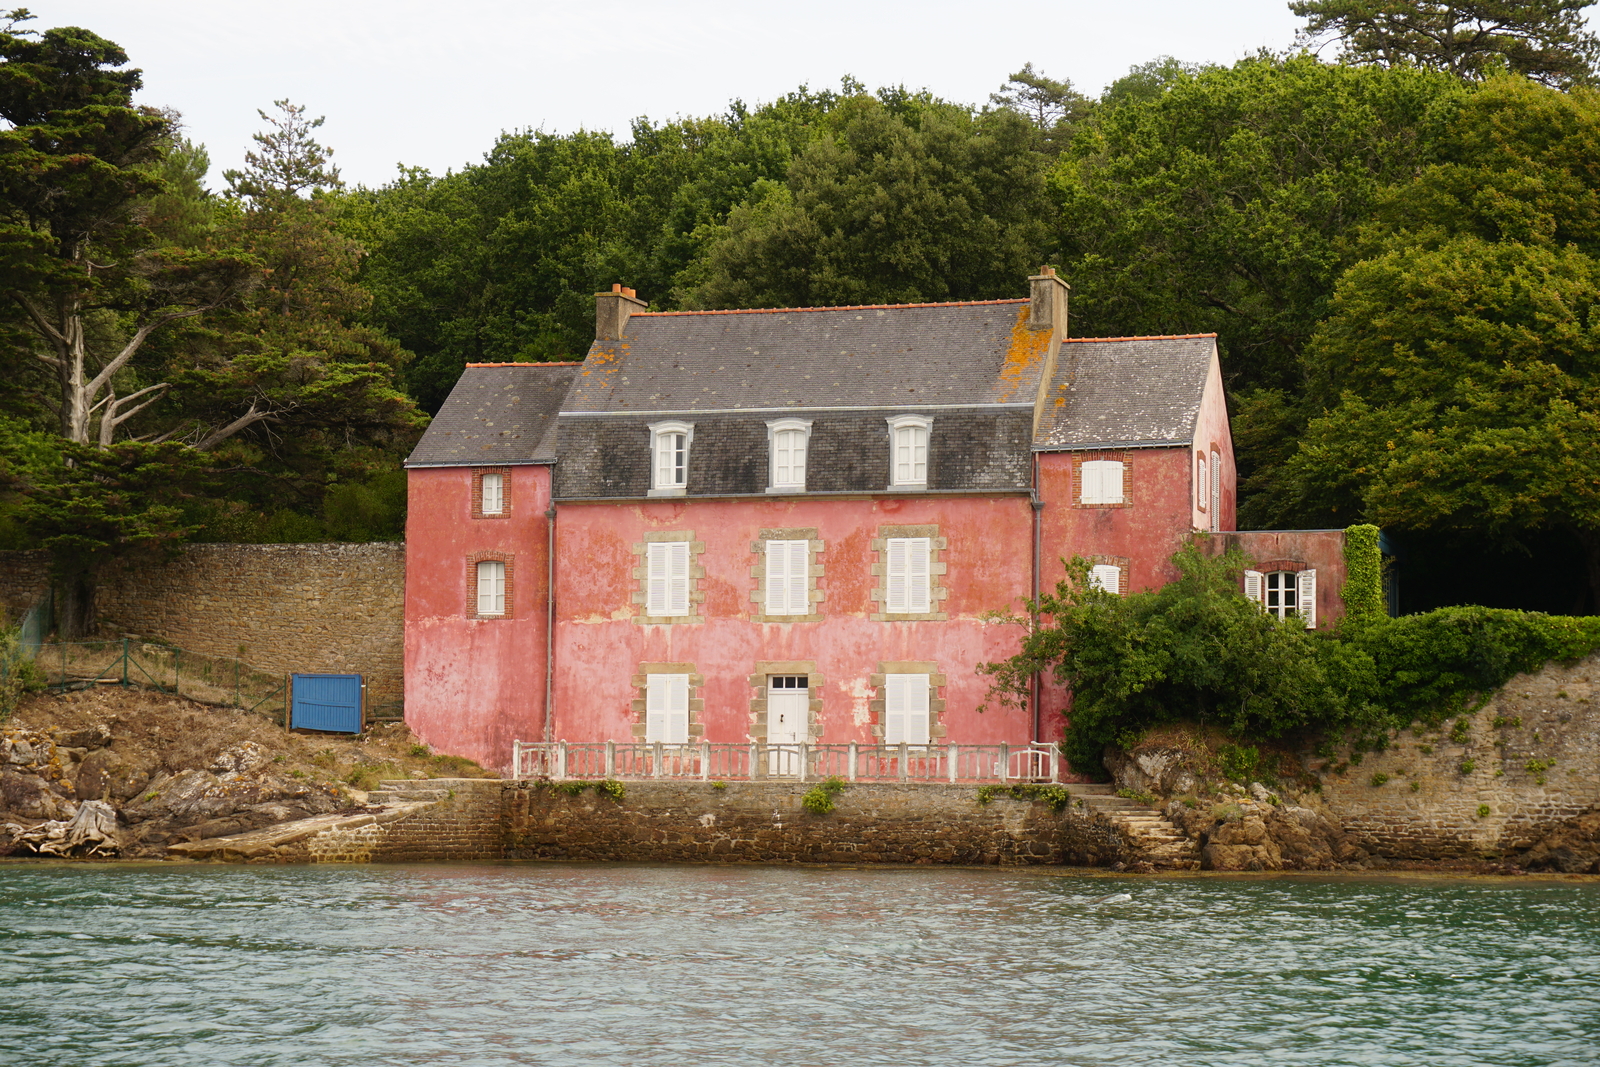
(1530, 757)
(309, 608)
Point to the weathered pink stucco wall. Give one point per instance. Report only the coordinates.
(600, 646)
(1211, 432)
(1321, 549)
(473, 686)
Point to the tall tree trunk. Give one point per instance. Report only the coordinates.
(75, 604)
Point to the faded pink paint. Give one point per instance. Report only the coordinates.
(474, 685)
(1211, 433)
(1319, 549)
(599, 646)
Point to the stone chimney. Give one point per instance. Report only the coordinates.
(611, 311)
(1049, 308)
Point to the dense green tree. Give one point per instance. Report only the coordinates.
(1053, 106)
(1546, 40)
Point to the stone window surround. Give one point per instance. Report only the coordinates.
(1121, 456)
(641, 576)
(937, 590)
(759, 572)
(475, 558)
(760, 686)
(1125, 563)
(505, 492)
(936, 704)
(638, 707)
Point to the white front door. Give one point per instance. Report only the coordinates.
(788, 715)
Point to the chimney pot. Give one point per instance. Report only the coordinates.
(616, 287)
(626, 291)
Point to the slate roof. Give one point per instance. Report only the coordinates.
(1125, 392)
(907, 355)
(498, 413)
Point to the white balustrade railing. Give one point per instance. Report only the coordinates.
(755, 761)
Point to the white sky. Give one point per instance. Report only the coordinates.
(433, 85)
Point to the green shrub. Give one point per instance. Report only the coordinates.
(1379, 778)
(819, 799)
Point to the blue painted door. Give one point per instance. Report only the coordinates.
(327, 702)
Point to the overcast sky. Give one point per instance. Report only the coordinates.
(433, 85)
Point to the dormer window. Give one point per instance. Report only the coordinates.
(669, 446)
(908, 451)
(787, 440)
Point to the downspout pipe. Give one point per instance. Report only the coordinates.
(1038, 572)
(550, 622)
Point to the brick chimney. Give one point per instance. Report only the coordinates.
(1048, 310)
(611, 311)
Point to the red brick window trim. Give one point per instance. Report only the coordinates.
(1273, 566)
(1080, 458)
(1124, 567)
(475, 558)
(504, 474)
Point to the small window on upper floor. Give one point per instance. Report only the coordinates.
(669, 447)
(1106, 576)
(1202, 492)
(787, 441)
(1102, 482)
(492, 494)
(908, 451)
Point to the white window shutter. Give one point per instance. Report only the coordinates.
(1216, 490)
(777, 578)
(918, 551)
(656, 583)
(678, 578)
(1106, 576)
(666, 704)
(491, 587)
(1308, 598)
(677, 732)
(895, 584)
(1254, 582)
(1090, 475)
(1201, 482)
(799, 573)
(1102, 482)
(905, 714)
(1112, 484)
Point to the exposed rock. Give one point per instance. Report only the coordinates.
(1571, 847)
(1246, 835)
(92, 831)
(88, 738)
(108, 774)
(32, 797)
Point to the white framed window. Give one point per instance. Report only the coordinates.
(787, 442)
(1216, 491)
(788, 578)
(1286, 594)
(905, 709)
(491, 587)
(666, 709)
(1102, 482)
(669, 449)
(908, 451)
(667, 579)
(1106, 576)
(1202, 492)
(492, 494)
(907, 582)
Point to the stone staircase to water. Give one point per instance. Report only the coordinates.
(403, 791)
(1155, 840)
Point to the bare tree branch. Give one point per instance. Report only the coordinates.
(249, 418)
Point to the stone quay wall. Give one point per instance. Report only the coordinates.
(764, 822)
(24, 580)
(1531, 756)
(336, 608)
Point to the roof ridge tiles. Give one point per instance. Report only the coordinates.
(573, 363)
(841, 307)
(1140, 337)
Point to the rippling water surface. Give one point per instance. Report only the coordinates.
(642, 965)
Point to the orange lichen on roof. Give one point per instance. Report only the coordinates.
(842, 307)
(1026, 349)
(572, 364)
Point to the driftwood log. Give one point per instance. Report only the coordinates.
(91, 832)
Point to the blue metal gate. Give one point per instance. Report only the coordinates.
(329, 702)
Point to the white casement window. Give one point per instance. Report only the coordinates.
(1286, 594)
(1106, 576)
(786, 441)
(492, 494)
(907, 582)
(667, 580)
(669, 445)
(1202, 491)
(666, 709)
(788, 578)
(1102, 482)
(908, 451)
(905, 709)
(1216, 490)
(491, 587)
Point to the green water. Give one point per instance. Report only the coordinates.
(639, 965)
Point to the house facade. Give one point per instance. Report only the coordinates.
(796, 526)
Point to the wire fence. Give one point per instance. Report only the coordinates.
(131, 661)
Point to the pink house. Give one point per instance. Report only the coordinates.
(791, 527)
